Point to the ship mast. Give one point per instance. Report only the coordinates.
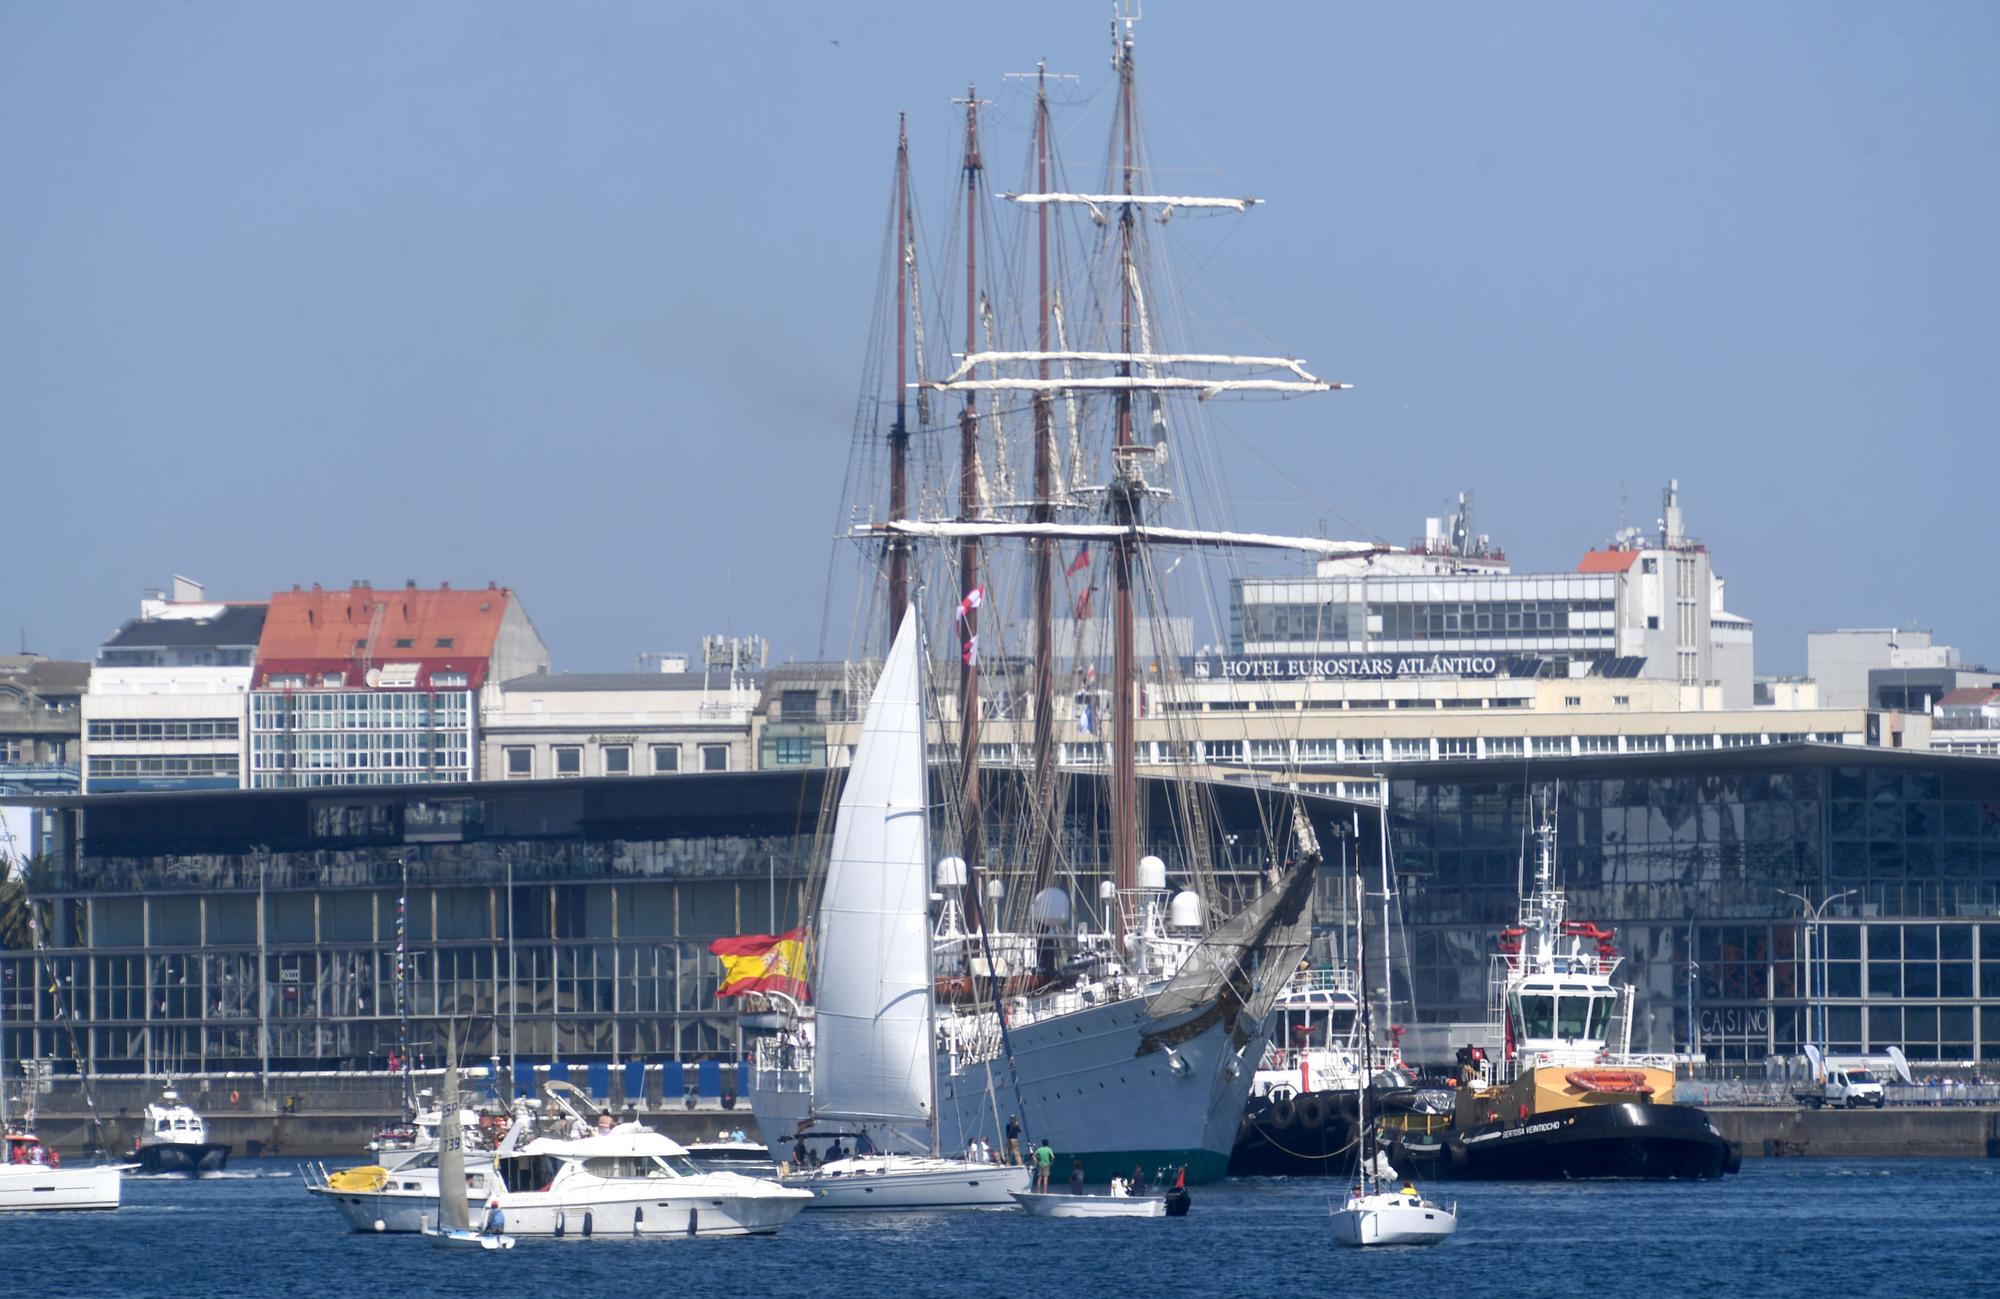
(1126, 513)
(1042, 842)
(899, 432)
(968, 548)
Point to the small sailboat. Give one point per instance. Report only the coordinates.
(1373, 1214)
(876, 1063)
(454, 1224)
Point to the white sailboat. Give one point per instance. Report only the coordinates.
(1373, 1214)
(454, 1224)
(874, 1066)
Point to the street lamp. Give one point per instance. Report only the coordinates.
(1813, 915)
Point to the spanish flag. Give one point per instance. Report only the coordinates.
(762, 963)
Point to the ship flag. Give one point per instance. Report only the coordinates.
(762, 963)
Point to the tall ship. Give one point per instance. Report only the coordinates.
(1097, 983)
(1568, 1099)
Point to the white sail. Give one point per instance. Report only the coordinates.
(453, 1212)
(873, 1056)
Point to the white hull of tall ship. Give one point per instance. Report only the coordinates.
(1385, 1219)
(1085, 1086)
(885, 1182)
(31, 1187)
(405, 1200)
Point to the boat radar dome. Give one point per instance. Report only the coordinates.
(951, 873)
(995, 890)
(1050, 909)
(1184, 912)
(1152, 873)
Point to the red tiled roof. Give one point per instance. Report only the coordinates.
(1969, 697)
(333, 631)
(1607, 561)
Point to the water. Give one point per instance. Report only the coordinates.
(1785, 1226)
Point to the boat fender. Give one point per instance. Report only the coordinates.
(1312, 1113)
(1284, 1113)
(586, 1226)
(638, 1216)
(694, 1215)
(560, 1224)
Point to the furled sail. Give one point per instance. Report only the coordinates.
(873, 1055)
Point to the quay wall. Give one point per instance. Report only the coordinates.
(1952, 1132)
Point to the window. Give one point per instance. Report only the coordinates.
(666, 757)
(1652, 622)
(1572, 701)
(440, 680)
(1649, 565)
(404, 642)
(1621, 701)
(617, 759)
(715, 757)
(445, 642)
(1410, 750)
(1457, 746)
(520, 763)
(1505, 746)
(1597, 743)
(569, 760)
(798, 705)
(793, 750)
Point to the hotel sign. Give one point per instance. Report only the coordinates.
(1360, 667)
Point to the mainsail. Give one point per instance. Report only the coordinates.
(453, 1212)
(873, 1058)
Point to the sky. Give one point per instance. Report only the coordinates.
(576, 297)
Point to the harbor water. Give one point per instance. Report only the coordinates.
(1781, 1227)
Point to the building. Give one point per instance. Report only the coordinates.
(564, 725)
(364, 687)
(1967, 720)
(40, 723)
(167, 706)
(548, 919)
(1647, 608)
(1842, 661)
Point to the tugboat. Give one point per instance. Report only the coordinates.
(175, 1140)
(1569, 1100)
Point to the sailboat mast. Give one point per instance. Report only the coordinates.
(1043, 835)
(1388, 970)
(1367, 1037)
(899, 432)
(968, 550)
(1125, 512)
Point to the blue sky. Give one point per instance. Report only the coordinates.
(575, 297)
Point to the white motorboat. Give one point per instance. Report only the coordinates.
(174, 1139)
(631, 1183)
(454, 1220)
(733, 1152)
(875, 1066)
(30, 1182)
(1112, 1205)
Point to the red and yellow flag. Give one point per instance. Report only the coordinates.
(762, 963)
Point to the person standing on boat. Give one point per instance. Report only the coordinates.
(1013, 1139)
(864, 1145)
(1045, 1158)
(1076, 1177)
(1136, 1184)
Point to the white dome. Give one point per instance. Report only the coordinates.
(1050, 909)
(1184, 912)
(951, 873)
(1152, 873)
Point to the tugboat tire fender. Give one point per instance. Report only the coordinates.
(1312, 1113)
(1284, 1113)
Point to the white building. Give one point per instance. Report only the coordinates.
(618, 724)
(166, 708)
(1452, 607)
(1841, 660)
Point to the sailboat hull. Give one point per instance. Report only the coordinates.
(1087, 1086)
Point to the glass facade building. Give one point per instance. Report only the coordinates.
(1694, 859)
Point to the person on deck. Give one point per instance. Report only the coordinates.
(1076, 1177)
(1013, 1139)
(863, 1145)
(800, 1154)
(1136, 1184)
(606, 1121)
(1045, 1158)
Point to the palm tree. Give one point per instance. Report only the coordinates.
(16, 933)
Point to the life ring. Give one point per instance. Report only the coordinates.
(1312, 1113)
(234, 1098)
